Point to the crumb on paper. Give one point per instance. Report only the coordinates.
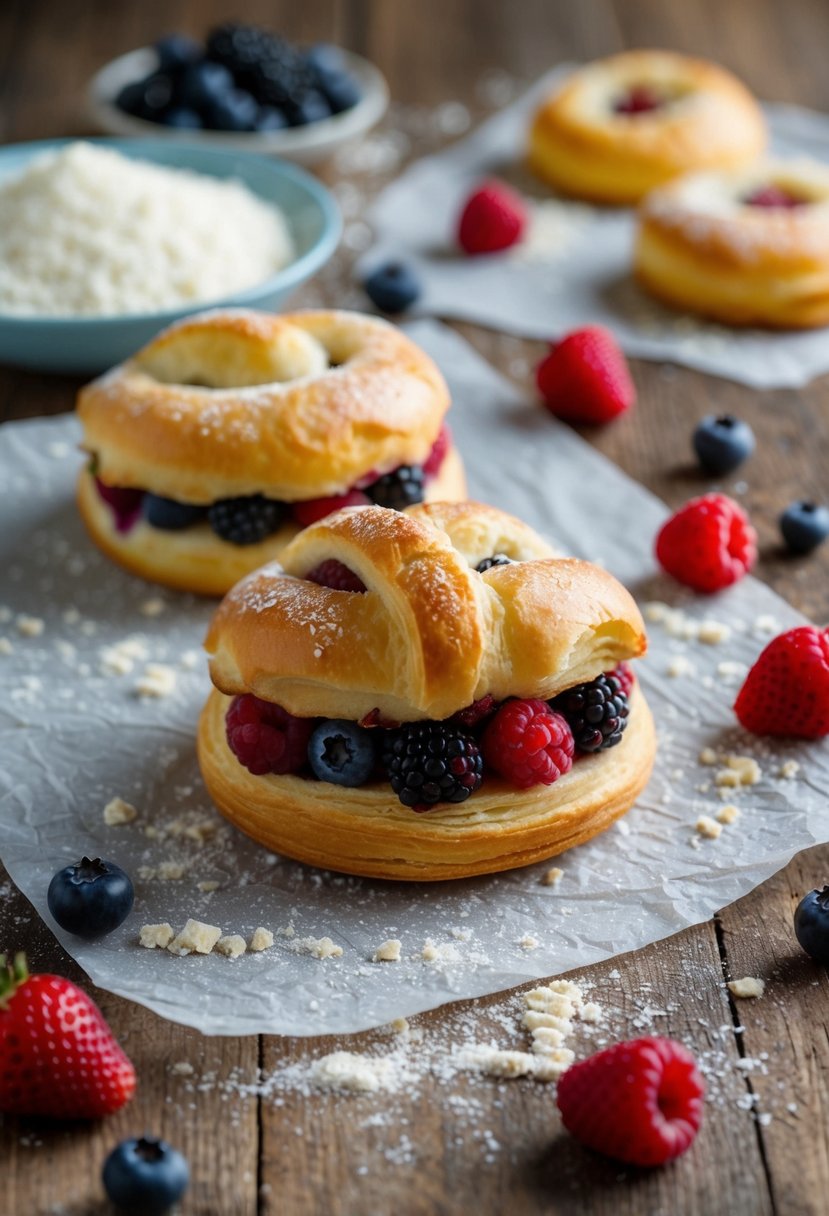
(152, 607)
(118, 812)
(155, 937)
(182, 1068)
(708, 827)
(399, 1026)
(713, 633)
(528, 942)
(766, 624)
(552, 876)
(119, 659)
(287, 931)
(158, 680)
(171, 871)
(231, 946)
(350, 1071)
(591, 1013)
(29, 626)
(429, 952)
(195, 938)
(728, 814)
(748, 986)
(208, 885)
(261, 939)
(318, 947)
(708, 757)
(789, 769)
(6, 646)
(388, 951)
(739, 771)
(679, 666)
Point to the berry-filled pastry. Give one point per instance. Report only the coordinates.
(232, 430)
(622, 125)
(426, 695)
(747, 248)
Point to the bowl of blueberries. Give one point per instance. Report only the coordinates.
(244, 88)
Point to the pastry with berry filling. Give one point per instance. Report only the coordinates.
(232, 430)
(749, 247)
(621, 126)
(426, 695)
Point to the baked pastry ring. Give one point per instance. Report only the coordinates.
(623, 125)
(429, 636)
(744, 248)
(234, 404)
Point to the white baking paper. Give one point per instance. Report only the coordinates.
(575, 268)
(74, 734)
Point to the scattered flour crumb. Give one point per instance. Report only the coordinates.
(748, 986)
(262, 939)
(708, 756)
(400, 1026)
(318, 947)
(679, 666)
(208, 885)
(30, 626)
(388, 952)
(155, 936)
(713, 633)
(351, 1071)
(766, 624)
(728, 813)
(6, 646)
(528, 942)
(708, 827)
(119, 659)
(740, 770)
(552, 876)
(182, 1068)
(195, 937)
(232, 946)
(152, 607)
(790, 768)
(117, 812)
(158, 680)
(591, 1013)
(171, 871)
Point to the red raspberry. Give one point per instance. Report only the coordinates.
(624, 674)
(640, 1102)
(709, 544)
(493, 218)
(307, 513)
(266, 738)
(773, 196)
(438, 453)
(125, 504)
(585, 377)
(639, 99)
(335, 575)
(528, 743)
(787, 690)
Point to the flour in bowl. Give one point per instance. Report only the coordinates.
(85, 231)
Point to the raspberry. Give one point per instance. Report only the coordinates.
(307, 513)
(334, 574)
(596, 713)
(265, 738)
(432, 762)
(624, 674)
(528, 744)
(787, 690)
(640, 1101)
(773, 196)
(585, 377)
(639, 99)
(438, 453)
(125, 504)
(493, 218)
(709, 544)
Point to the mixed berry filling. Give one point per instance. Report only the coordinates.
(525, 741)
(775, 197)
(639, 99)
(249, 520)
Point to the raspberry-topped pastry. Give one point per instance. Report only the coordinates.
(622, 125)
(749, 247)
(232, 430)
(425, 695)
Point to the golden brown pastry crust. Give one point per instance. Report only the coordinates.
(430, 635)
(367, 831)
(580, 146)
(699, 248)
(301, 406)
(198, 560)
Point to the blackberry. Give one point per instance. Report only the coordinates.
(497, 559)
(432, 762)
(399, 489)
(596, 713)
(245, 521)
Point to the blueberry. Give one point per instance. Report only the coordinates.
(804, 525)
(90, 898)
(131, 98)
(176, 51)
(392, 287)
(312, 106)
(233, 111)
(326, 60)
(203, 84)
(271, 118)
(722, 442)
(182, 117)
(149, 98)
(341, 752)
(145, 1177)
(170, 515)
(811, 924)
(341, 90)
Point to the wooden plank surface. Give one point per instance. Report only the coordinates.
(430, 1152)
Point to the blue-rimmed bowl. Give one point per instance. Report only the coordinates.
(91, 344)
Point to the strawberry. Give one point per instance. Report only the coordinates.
(57, 1055)
(640, 1101)
(585, 377)
(787, 690)
(709, 544)
(493, 218)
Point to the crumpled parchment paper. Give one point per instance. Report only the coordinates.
(74, 733)
(575, 268)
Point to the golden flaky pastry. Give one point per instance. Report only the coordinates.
(623, 125)
(233, 404)
(427, 637)
(703, 245)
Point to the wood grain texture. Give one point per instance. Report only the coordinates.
(330, 1154)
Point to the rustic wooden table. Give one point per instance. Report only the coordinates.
(322, 1155)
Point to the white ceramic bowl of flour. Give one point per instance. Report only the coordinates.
(90, 336)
